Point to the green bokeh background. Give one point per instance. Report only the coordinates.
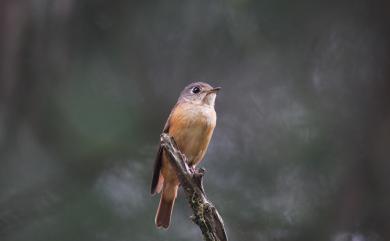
(301, 147)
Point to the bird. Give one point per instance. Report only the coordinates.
(191, 124)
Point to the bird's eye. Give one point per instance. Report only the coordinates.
(195, 90)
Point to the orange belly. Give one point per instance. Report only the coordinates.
(191, 126)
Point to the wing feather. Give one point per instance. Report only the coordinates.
(158, 160)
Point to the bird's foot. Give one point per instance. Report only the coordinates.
(192, 169)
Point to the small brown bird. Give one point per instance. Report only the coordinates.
(191, 124)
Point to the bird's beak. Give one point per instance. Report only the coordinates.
(214, 90)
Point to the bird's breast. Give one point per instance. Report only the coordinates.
(192, 127)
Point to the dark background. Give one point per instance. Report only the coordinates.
(302, 145)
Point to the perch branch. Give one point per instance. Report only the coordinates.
(205, 215)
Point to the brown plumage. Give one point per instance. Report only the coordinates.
(191, 124)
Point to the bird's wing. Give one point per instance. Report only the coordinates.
(158, 161)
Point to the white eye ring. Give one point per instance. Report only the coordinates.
(195, 90)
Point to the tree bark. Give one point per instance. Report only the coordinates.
(205, 215)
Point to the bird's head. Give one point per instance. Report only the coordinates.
(199, 93)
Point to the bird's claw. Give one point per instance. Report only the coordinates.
(192, 169)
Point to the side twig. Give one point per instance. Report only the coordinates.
(205, 215)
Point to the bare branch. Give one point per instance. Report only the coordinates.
(205, 215)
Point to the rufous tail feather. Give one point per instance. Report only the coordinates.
(167, 200)
(164, 212)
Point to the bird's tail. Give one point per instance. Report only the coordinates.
(164, 211)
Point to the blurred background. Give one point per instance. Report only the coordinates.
(301, 149)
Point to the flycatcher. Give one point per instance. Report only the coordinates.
(191, 124)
